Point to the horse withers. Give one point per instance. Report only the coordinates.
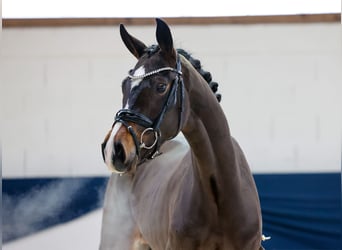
(199, 193)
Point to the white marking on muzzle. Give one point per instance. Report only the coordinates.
(109, 150)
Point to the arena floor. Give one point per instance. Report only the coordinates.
(82, 233)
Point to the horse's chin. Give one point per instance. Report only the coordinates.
(119, 167)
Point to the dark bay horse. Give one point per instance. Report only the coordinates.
(198, 194)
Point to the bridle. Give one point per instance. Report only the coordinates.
(126, 116)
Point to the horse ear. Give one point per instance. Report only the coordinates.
(164, 37)
(135, 46)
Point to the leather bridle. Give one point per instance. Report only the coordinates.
(126, 116)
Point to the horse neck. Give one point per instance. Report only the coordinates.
(207, 131)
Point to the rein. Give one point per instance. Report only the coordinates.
(125, 116)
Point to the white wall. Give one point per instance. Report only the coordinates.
(281, 87)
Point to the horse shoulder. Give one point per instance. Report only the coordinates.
(248, 212)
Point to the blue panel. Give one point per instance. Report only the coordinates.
(300, 211)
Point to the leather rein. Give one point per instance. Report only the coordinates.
(126, 116)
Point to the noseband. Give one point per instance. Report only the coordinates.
(125, 116)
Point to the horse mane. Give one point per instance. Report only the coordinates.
(196, 64)
(205, 74)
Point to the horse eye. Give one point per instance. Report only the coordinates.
(161, 87)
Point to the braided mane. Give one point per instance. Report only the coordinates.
(205, 74)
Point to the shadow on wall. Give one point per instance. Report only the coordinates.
(30, 205)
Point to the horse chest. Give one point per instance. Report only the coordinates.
(170, 215)
(150, 203)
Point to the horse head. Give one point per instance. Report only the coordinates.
(152, 106)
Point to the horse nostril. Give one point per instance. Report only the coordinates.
(119, 152)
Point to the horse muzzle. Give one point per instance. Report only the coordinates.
(118, 158)
(129, 142)
(119, 150)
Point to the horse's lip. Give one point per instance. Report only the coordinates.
(120, 166)
(113, 170)
(117, 166)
